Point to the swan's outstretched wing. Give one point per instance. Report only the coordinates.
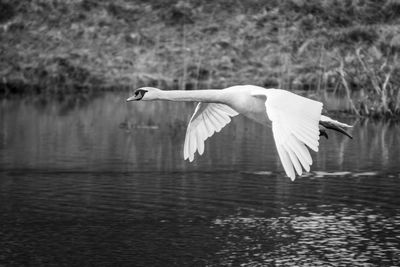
(206, 119)
(294, 125)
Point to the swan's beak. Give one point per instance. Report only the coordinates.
(132, 98)
(135, 97)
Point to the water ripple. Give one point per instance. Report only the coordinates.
(336, 236)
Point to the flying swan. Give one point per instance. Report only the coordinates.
(296, 121)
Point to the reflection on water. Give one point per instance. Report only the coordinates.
(101, 182)
(326, 235)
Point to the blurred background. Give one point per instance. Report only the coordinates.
(51, 46)
(87, 179)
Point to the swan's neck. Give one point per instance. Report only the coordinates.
(210, 95)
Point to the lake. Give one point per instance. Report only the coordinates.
(96, 181)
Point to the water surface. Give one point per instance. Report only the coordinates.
(96, 181)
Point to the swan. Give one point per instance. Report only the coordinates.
(296, 121)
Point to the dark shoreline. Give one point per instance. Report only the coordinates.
(84, 46)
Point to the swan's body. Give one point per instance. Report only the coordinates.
(296, 121)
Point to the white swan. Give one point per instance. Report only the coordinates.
(296, 121)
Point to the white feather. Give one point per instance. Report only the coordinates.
(207, 119)
(295, 122)
(200, 139)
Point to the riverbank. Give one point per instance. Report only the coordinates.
(51, 46)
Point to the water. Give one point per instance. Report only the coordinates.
(94, 181)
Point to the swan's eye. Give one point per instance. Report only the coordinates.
(139, 94)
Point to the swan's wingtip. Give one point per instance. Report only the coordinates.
(191, 158)
(188, 157)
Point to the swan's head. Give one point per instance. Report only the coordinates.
(145, 93)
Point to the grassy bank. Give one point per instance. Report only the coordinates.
(350, 46)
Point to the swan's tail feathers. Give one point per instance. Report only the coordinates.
(332, 124)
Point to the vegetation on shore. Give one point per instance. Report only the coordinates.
(348, 46)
